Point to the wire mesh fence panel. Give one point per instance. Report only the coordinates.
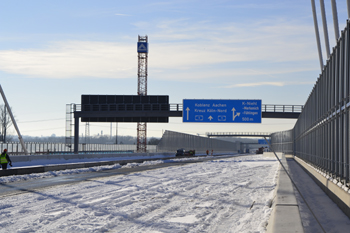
(321, 133)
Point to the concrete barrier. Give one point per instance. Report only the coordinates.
(66, 165)
(27, 158)
(336, 193)
(22, 171)
(285, 216)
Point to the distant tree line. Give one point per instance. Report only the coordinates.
(5, 124)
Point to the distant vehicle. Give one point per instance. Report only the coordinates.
(260, 150)
(183, 152)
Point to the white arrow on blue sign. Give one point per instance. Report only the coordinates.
(221, 111)
(142, 47)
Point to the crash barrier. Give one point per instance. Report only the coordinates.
(285, 216)
(15, 148)
(321, 134)
(172, 141)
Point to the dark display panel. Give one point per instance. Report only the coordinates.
(126, 119)
(143, 105)
(124, 99)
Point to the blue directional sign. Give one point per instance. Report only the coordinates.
(263, 141)
(221, 111)
(142, 47)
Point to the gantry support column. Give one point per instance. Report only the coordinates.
(76, 134)
(142, 50)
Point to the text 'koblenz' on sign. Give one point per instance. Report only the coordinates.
(221, 111)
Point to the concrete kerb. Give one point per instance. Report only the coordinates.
(285, 216)
(272, 155)
(336, 193)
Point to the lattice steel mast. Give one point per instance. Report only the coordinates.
(142, 50)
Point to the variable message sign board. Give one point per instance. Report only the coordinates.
(124, 108)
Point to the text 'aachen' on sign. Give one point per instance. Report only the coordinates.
(221, 111)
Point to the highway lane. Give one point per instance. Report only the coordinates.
(33, 185)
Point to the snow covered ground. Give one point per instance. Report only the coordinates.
(225, 195)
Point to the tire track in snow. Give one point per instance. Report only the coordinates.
(202, 197)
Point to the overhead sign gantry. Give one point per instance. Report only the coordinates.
(127, 108)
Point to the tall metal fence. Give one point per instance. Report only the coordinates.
(322, 130)
(283, 141)
(321, 133)
(15, 148)
(171, 141)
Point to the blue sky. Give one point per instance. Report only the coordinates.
(52, 52)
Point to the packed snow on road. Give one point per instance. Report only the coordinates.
(223, 195)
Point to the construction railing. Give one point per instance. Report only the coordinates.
(15, 148)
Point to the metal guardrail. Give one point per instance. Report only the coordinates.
(176, 107)
(264, 108)
(282, 108)
(240, 134)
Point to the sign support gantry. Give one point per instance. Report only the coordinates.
(142, 50)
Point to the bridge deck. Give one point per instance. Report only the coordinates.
(175, 110)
